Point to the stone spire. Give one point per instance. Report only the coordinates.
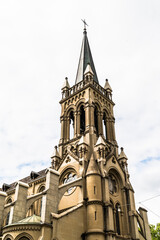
(85, 59)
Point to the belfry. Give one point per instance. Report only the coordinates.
(86, 193)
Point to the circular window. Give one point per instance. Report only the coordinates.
(113, 186)
(69, 177)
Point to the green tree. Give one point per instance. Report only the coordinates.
(155, 231)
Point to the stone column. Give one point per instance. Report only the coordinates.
(2, 203)
(67, 128)
(113, 129)
(62, 129)
(75, 124)
(18, 210)
(108, 127)
(100, 128)
(110, 219)
(78, 123)
(50, 199)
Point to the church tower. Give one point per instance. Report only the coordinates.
(88, 152)
(86, 193)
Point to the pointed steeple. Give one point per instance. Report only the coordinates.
(85, 59)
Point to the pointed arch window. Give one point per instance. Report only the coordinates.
(96, 119)
(104, 121)
(71, 127)
(82, 119)
(118, 210)
(113, 186)
(70, 176)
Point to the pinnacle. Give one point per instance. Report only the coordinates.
(66, 83)
(122, 154)
(107, 86)
(92, 166)
(55, 152)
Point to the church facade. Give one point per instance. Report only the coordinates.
(86, 193)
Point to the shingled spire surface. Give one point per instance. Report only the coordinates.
(85, 59)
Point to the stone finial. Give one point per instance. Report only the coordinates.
(107, 86)
(122, 155)
(66, 84)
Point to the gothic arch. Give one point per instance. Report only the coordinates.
(79, 103)
(9, 200)
(26, 235)
(98, 104)
(105, 109)
(116, 173)
(66, 170)
(70, 109)
(8, 237)
(41, 188)
(35, 207)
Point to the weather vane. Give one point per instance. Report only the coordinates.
(85, 24)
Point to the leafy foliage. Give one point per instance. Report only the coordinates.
(155, 231)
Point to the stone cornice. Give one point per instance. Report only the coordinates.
(25, 226)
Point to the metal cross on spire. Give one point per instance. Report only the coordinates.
(85, 24)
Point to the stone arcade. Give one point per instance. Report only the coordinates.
(86, 192)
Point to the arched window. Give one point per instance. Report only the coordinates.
(96, 119)
(9, 200)
(113, 186)
(82, 119)
(41, 189)
(118, 209)
(69, 177)
(104, 121)
(71, 127)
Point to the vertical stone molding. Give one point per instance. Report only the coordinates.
(50, 199)
(18, 211)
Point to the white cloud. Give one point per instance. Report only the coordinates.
(40, 45)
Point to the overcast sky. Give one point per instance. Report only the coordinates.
(40, 44)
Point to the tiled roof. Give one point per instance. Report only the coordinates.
(28, 179)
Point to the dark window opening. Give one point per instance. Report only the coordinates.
(104, 126)
(94, 189)
(96, 119)
(71, 127)
(95, 215)
(117, 218)
(82, 119)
